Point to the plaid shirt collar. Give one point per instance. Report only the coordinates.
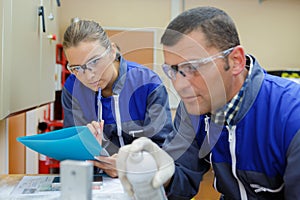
(226, 114)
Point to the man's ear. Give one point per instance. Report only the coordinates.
(237, 60)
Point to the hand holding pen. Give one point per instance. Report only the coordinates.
(97, 127)
(105, 163)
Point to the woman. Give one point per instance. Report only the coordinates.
(132, 100)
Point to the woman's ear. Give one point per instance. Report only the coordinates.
(237, 60)
(116, 47)
(113, 48)
(115, 51)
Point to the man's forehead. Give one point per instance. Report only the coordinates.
(187, 52)
(190, 45)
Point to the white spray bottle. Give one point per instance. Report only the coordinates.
(141, 168)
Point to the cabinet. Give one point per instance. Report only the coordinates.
(27, 55)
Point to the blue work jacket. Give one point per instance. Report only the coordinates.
(256, 158)
(139, 106)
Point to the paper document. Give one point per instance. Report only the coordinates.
(74, 143)
(41, 187)
(34, 185)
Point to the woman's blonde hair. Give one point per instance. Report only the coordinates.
(85, 31)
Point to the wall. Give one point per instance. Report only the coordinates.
(116, 13)
(269, 29)
(16, 150)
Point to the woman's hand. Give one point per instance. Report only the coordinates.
(96, 129)
(107, 164)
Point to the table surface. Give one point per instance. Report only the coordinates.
(111, 189)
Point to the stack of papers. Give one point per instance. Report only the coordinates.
(74, 143)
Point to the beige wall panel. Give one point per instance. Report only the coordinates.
(3, 148)
(269, 29)
(135, 45)
(16, 128)
(116, 13)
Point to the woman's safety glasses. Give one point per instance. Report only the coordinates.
(90, 65)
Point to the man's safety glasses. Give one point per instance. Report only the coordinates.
(90, 65)
(188, 68)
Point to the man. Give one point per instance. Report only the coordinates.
(232, 115)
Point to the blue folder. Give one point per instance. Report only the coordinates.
(75, 143)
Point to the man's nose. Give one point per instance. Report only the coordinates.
(181, 82)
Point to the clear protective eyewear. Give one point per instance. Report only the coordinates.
(187, 69)
(90, 65)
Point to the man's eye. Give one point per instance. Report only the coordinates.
(188, 67)
(174, 67)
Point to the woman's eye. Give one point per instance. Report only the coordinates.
(94, 62)
(76, 68)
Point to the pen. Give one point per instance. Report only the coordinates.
(99, 119)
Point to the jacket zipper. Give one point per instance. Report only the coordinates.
(232, 147)
(118, 119)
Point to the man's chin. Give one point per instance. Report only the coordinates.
(194, 109)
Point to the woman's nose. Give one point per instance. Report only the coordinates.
(89, 74)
